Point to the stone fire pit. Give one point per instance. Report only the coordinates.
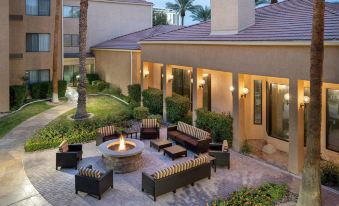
(124, 161)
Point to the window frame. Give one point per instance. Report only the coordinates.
(49, 47)
(39, 75)
(261, 102)
(326, 119)
(72, 12)
(49, 11)
(72, 43)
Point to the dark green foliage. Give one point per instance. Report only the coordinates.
(220, 125)
(45, 90)
(113, 89)
(265, 195)
(153, 100)
(177, 107)
(100, 85)
(156, 116)
(329, 174)
(245, 148)
(159, 18)
(134, 92)
(134, 104)
(140, 113)
(18, 94)
(62, 86)
(92, 77)
(187, 118)
(35, 90)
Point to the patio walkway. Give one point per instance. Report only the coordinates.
(15, 187)
(57, 187)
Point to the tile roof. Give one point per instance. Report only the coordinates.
(290, 20)
(130, 41)
(76, 55)
(133, 1)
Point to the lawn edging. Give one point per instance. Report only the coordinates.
(110, 95)
(25, 105)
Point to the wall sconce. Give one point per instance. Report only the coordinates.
(204, 75)
(170, 78)
(202, 83)
(232, 89)
(191, 80)
(244, 92)
(146, 73)
(287, 98)
(307, 100)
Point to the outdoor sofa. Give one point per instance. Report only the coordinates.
(149, 129)
(105, 134)
(93, 182)
(176, 176)
(221, 153)
(68, 155)
(194, 139)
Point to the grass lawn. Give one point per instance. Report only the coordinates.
(7, 123)
(106, 111)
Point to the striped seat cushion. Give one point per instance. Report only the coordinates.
(173, 169)
(63, 147)
(85, 171)
(201, 134)
(107, 131)
(186, 128)
(200, 160)
(149, 123)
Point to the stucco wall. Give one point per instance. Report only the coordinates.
(4, 57)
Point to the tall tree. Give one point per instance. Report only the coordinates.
(159, 18)
(55, 98)
(200, 13)
(181, 6)
(274, 1)
(310, 190)
(81, 111)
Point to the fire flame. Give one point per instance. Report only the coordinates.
(122, 144)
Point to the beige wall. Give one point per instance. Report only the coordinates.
(114, 67)
(4, 57)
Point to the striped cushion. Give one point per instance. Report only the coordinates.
(200, 160)
(149, 123)
(85, 171)
(106, 131)
(201, 134)
(186, 128)
(63, 147)
(173, 170)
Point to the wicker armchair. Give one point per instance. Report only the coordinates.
(149, 129)
(68, 155)
(105, 134)
(221, 153)
(93, 183)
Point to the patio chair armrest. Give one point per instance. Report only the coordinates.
(75, 147)
(148, 183)
(215, 146)
(172, 128)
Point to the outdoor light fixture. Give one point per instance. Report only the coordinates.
(232, 89)
(170, 78)
(191, 80)
(307, 100)
(202, 83)
(287, 98)
(205, 75)
(162, 75)
(244, 92)
(146, 73)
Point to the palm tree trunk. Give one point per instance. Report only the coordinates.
(55, 98)
(182, 20)
(274, 1)
(310, 190)
(81, 111)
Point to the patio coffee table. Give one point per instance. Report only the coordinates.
(160, 144)
(130, 133)
(175, 151)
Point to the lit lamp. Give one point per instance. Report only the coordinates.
(205, 75)
(232, 89)
(287, 98)
(244, 92)
(146, 73)
(202, 83)
(170, 78)
(191, 80)
(307, 100)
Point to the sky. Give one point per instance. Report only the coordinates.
(188, 19)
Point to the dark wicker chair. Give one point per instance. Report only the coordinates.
(149, 129)
(105, 134)
(68, 156)
(221, 153)
(93, 186)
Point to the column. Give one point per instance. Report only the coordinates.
(194, 95)
(164, 90)
(237, 114)
(296, 126)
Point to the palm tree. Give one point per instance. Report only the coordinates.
(55, 98)
(181, 6)
(310, 192)
(201, 14)
(81, 111)
(159, 18)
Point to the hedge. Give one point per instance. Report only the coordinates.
(134, 92)
(140, 113)
(62, 87)
(18, 94)
(43, 90)
(153, 100)
(220, 125)
(92, 77)
(177, 107)
(100, 85)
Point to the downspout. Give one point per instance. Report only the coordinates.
(131, 66)
(62, 40)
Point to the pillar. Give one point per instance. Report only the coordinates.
(296, 126)
(197, 93)
(4, 56)
(166, 71)
(237, 114)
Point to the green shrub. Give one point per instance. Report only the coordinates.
(113, 89)
(156, 116)
(140, 113)
(220, 125)
(92, 77)
(62, 87)
(265, 195)
(177, 107)
(134, 92)
(92, 89)
(246, 148)
(329, 174)
(134, 104)
(187, 118)
(153, 100)
(35, 90)
(18, 94)
(45, 90)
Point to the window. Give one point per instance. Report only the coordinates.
(72, 71)
(38, 7)
(207, 92)
(332, 120)
(278, 111)
(181, 82)
(35, 76)
(257, 102)
(71, 40)
(37, 42)
(71, 11)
